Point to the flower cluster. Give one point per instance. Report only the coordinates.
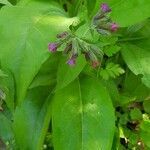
(74, 46)
(102, 22)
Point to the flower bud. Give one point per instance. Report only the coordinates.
(105, 8)
(71, 61)
(95, 64)
(68, 48)
(114, 27)
(52, 47)
(62, 35)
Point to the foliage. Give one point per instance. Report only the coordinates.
(74, 74)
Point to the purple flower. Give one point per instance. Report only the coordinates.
(71, 61)
(105, 8)
(114, 27)
(52, 47)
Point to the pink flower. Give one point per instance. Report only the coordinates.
(114, 27)
(71, 61)
(52, 47)
(105, 8)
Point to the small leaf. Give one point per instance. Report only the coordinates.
(145, 132)
(111, 71)
(146, 105)
(111, 50)
(136, 114)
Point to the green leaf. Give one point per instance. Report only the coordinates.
(113, 91)
(136, 114)
(6, 132)
(31, 29)
(31, 119)
(5, 2)
(135, 88)
(138, 61)
(47, 73)
(146, 105)
(8, 86)
(130, 12)
(83, 116)
(111, 50)
(112, 70)
(145, 132)
(90, 6)
(67, 74)
(2, 74)
(127, 12)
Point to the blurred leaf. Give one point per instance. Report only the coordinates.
(31, 30)
(48, 72)
(31, 119)
(67, 74)
(146, 105)
(111, 50)
(2, 74)
(6, 132)
(8, 86)
(134, 87)
(111, 71)
(138, 61)
(5, 2)
(136, 114)
(113, 91)
(82, 116)
(145, 132)
(130, 12)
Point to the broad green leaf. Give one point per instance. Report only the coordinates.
(130, 12)
(32, 27)
(90, 6)
(31, 119)
(145, 34)
(113, 91)
(6, 132)
(83, 117)
(48, 72)
(138, 61)
(135, 88)
(66, 73)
